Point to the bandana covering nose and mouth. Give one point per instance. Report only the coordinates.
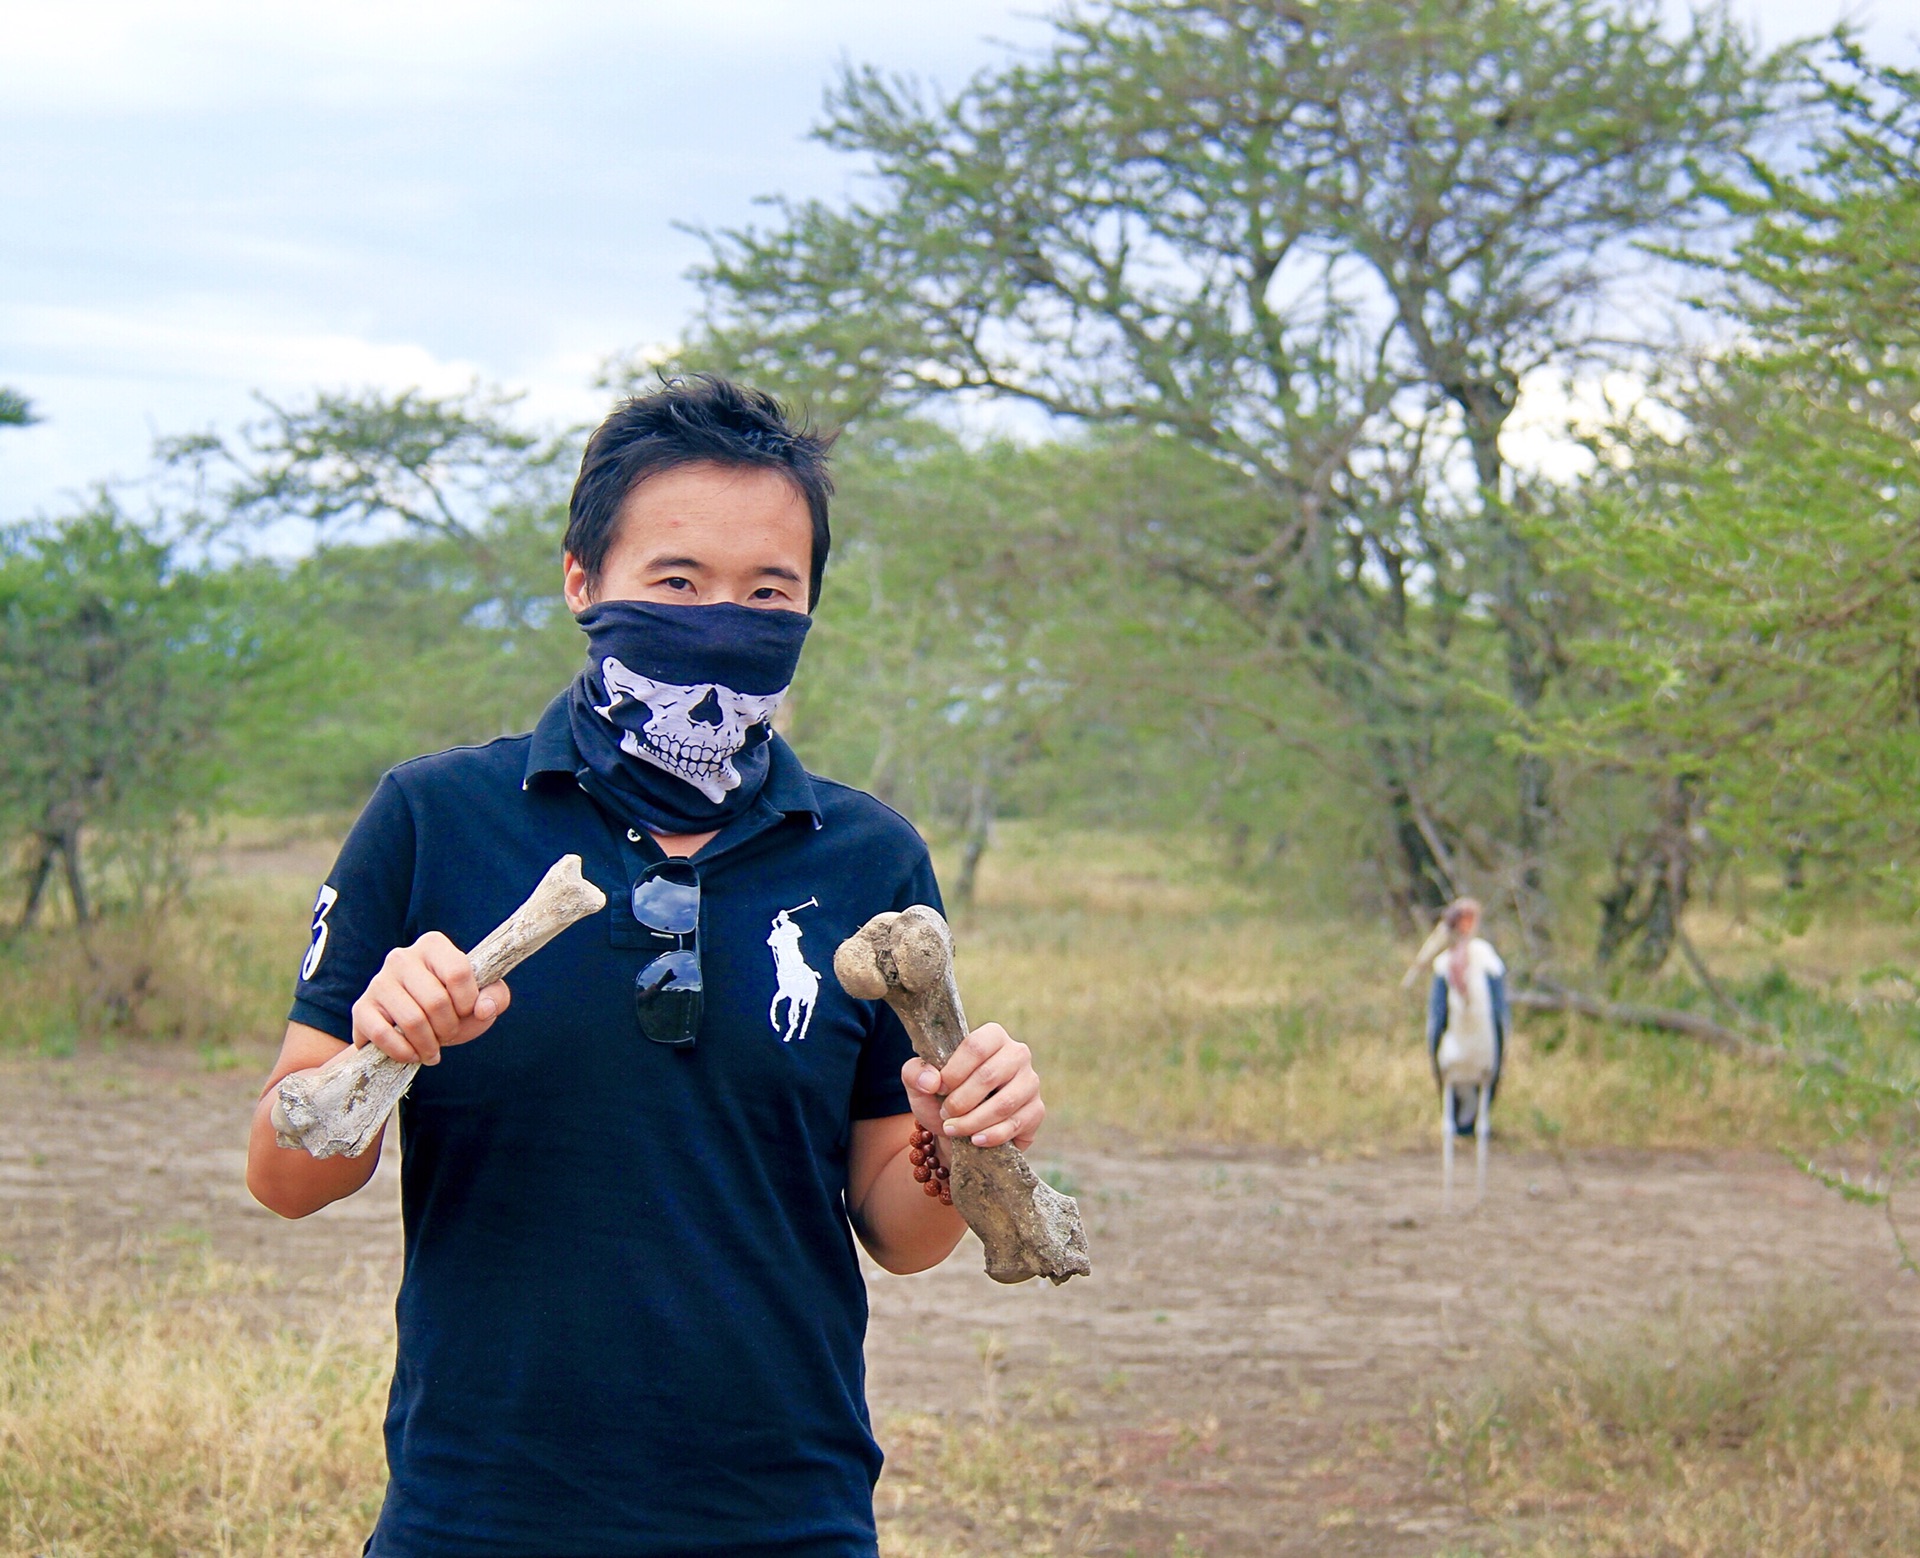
(671, 715)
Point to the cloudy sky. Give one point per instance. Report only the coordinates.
(203, 198)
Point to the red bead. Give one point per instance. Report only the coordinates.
(943, 1171)
(917, 1156)
(932, 1187)
(922, 1173)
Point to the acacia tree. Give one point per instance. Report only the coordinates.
(429, 608)
(114, 666)
(441, 466)
(1325, 243)
(1760, 552)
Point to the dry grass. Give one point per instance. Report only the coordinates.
(143, 1415)
(1167, 1004)
(1774, 1433)
(975, 1489)
(214, 971)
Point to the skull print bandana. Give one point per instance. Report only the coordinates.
(671, 715)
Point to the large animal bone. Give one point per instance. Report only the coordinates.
(1028, 1227)
(341, 1106)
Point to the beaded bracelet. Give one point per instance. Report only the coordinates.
(934, 1176)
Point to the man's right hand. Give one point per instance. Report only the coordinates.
(424, 999)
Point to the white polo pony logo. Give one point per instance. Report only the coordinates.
(794, 982)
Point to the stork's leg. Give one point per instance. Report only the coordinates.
(1446, 1148)
(1482, 1124)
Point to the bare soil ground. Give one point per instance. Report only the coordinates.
(1250, 1358)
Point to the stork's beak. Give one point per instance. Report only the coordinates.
(1429, 949)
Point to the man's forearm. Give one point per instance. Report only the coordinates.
(903, 1228)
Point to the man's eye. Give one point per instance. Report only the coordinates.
(677, 583)
(766, 592)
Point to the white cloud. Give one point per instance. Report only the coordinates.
(209, 344)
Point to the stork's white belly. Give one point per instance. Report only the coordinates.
(1466, 1050)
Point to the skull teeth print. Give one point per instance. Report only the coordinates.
(692, 732)
(689, 759)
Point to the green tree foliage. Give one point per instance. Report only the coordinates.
(950, 644)
(962, 656)
(1323, 244)
(374, 652)
(15, 409)
(115, 662)
(428, 614)
(1760, 554)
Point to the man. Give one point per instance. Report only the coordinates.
(631, 1317)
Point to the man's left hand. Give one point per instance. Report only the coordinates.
(988, 1091)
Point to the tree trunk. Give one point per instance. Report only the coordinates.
(1533, 777)
(880, 776)
(1239, 844)
(1616, 912)
(66, 844)
(1661, 929)
(1652, 884)
(1487, 407)
(76, 879)
(978, 835)
(1793, 869)
(37, 882)
(1429, 884)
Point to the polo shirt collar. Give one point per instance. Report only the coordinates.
(551, 752)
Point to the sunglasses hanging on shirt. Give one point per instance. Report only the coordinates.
(667, 992)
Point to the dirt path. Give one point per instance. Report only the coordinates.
(1246, 1356)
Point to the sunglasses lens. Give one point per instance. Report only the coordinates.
(667, 905)
(666, 998)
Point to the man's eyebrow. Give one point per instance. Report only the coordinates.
(673, 562)
(772, 572)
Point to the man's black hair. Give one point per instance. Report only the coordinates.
(698, 418)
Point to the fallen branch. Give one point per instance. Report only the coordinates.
(1728, 1040)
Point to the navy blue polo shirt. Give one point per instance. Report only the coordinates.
(631, 1317)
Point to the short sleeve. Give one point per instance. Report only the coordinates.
(359, 914)
(877, 1089)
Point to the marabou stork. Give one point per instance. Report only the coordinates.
(1466, 1031)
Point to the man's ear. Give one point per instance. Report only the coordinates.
(576, 584)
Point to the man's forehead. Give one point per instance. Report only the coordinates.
(705, 484)
(693, 563)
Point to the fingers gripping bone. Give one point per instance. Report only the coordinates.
(1028, 1227)
(340, 1108)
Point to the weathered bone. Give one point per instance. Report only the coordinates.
(340, 1107)
(1028, 1227)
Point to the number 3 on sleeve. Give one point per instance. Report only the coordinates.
(310, 964)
